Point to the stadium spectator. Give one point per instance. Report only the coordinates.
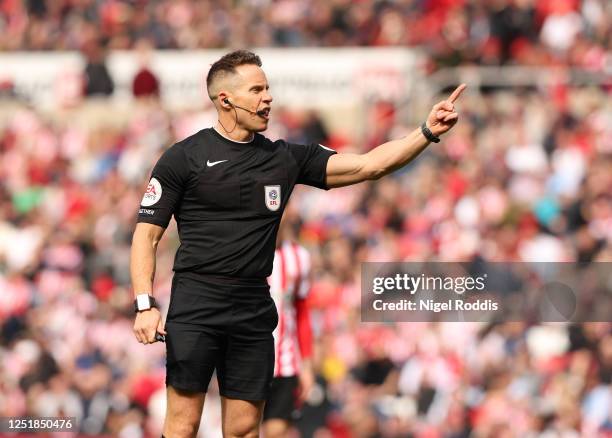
(97, 79)
(145, 83)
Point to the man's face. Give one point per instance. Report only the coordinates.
(251, 91)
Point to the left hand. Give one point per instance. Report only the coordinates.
(306, 381)
(443, 116)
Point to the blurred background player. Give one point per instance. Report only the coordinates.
(293, 373)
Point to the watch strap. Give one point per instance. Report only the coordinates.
(428, 134)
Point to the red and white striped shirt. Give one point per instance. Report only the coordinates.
(289, 286)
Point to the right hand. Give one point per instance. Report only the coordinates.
(146, 324)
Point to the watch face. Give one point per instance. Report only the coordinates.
(143, 302)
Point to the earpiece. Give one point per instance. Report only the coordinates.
(226, 100)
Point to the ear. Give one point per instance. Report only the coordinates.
(224, 100)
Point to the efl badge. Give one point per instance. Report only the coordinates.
(273, 197)
(153, 193)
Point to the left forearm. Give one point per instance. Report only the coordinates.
(304, 328)
(395, 154)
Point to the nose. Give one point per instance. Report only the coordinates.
(267, 97)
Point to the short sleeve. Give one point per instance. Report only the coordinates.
(312, 163)
(165, 189)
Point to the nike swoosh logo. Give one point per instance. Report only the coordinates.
(212, 163)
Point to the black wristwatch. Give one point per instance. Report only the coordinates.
(144, 302)
(428, 134)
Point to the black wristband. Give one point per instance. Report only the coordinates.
(428, 134)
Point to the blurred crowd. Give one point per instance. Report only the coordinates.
(529, 32)
(525, 176)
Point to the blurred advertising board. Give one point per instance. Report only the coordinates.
(301, 78)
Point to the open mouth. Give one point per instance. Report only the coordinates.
(265, 113)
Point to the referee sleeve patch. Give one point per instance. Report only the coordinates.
(152, 194)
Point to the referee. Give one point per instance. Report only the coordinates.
(227, 187)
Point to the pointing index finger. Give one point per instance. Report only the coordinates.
(453, 97)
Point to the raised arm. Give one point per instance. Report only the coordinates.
(347, 169)
(142, 269)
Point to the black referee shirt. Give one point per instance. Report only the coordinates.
(228, 198)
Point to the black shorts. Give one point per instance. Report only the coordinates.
(282, 401)
(212, 324)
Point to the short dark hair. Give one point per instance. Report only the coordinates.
(227, 65)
